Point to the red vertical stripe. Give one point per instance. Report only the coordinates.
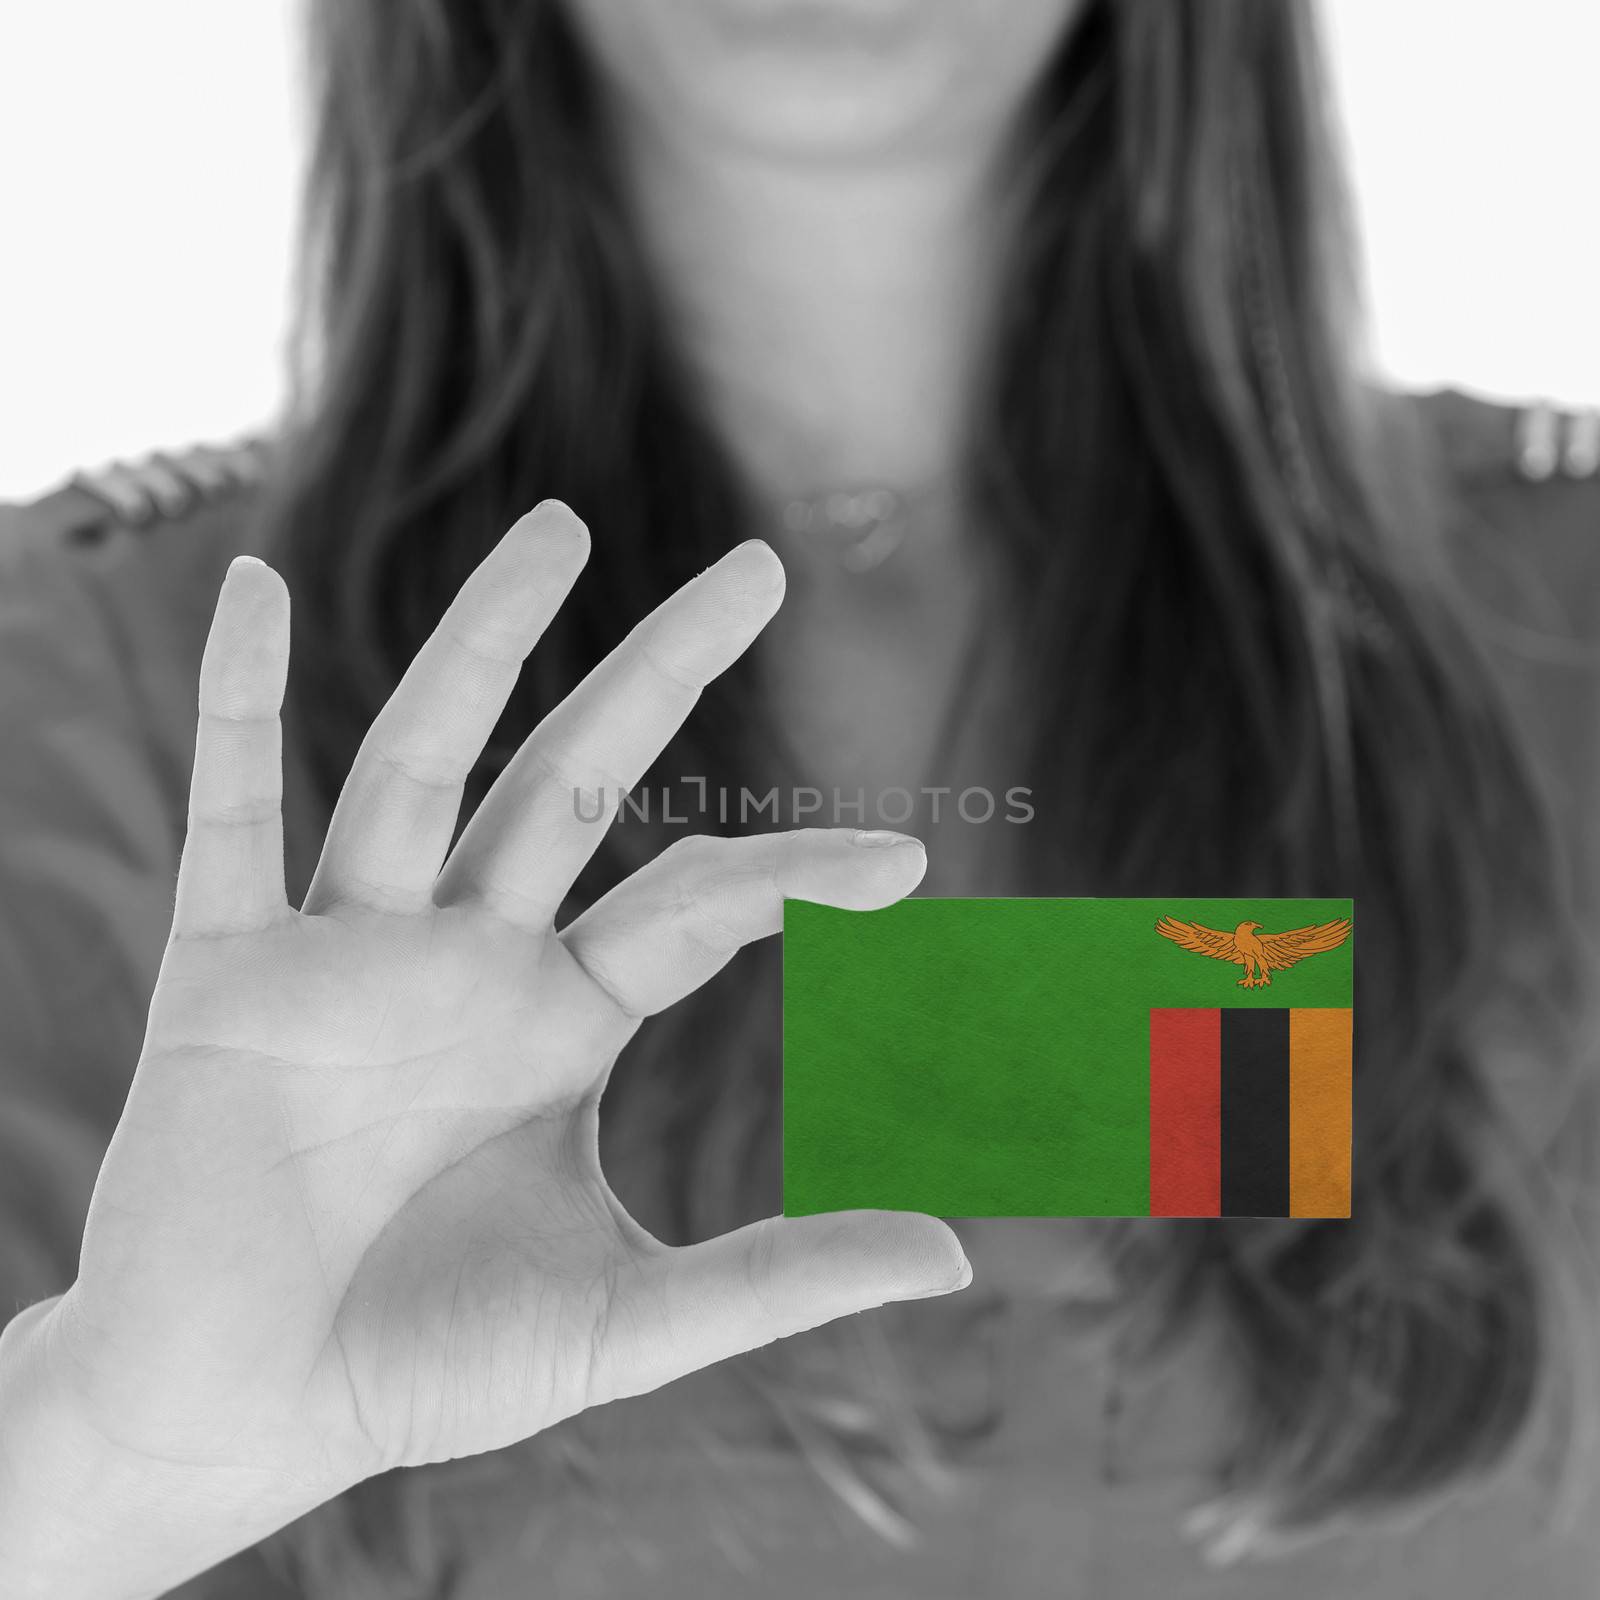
(1185, 1113)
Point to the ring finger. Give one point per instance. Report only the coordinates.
(397, 811)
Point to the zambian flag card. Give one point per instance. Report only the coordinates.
(1064, 1058)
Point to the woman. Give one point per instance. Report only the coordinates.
(1058, 306)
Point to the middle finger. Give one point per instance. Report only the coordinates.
(549, 809)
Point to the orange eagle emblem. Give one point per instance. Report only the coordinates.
(1260, 954)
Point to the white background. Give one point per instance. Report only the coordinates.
(149, 155)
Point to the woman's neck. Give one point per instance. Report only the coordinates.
(835, 315)
(832, 311)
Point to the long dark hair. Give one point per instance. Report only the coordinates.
(1252, 669)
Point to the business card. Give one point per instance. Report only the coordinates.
(1069, 1057)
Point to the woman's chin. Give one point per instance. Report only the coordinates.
(829, 94)
(822, 77)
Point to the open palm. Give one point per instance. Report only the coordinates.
(353, 1216)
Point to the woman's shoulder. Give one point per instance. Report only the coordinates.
(1522, 532)
(1502, 444)
(168, 502)
(110, 579)
(1524, 478)
(107, 587)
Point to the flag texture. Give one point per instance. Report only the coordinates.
(1069, 1057)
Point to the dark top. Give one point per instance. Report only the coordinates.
(106, 592)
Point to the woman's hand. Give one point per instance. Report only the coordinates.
(353, 1215)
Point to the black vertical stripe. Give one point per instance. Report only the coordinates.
(1255, 1113)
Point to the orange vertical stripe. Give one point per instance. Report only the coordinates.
(1319, 1113)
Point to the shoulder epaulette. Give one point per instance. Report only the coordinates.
(1551, 439)
(1487, 441)
(163, 486)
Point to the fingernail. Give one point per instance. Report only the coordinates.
(773, 579)
(963, 1278)
(881, 839)
(237, 568)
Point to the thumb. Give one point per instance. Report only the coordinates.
(689, 1307)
